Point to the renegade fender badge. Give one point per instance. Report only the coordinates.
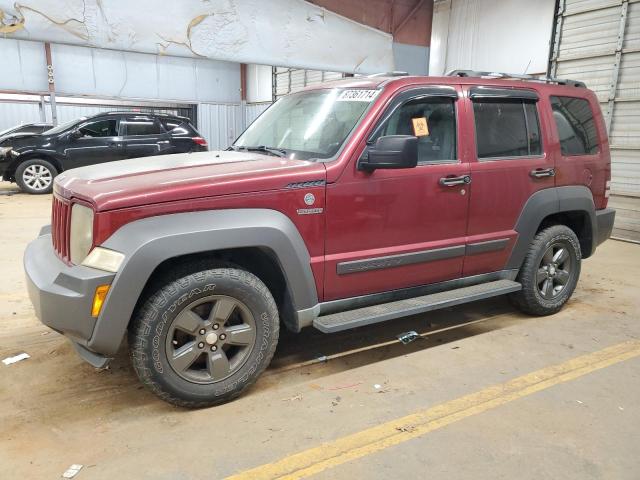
(309, 211)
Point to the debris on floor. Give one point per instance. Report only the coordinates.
(15, 359)
(406, 428)
(72, 471)
(342, 387)
(295, 397)
(407, 337)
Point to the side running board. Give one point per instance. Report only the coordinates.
(359, 317)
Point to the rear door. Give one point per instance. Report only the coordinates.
(510, 162)
(144, 136)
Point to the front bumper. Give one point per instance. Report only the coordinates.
(62, 295)
(604, 219)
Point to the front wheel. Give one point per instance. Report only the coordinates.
(203, 339)
(550, 271)
(35, 176)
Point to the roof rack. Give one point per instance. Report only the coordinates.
(531, 78)
(395, 73)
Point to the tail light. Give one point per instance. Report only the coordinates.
(199, 141)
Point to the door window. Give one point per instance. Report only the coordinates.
(433, 121)
(576, 126)
(100, 128)
(506, 128)
(141, 126)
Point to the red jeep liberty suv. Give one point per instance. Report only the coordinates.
(349, 203)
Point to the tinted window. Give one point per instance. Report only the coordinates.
(576, 126)
(433, 121)
(177, 127)
(141, 126)
(506, 128)
(100, 128)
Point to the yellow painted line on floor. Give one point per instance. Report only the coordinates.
(366, 442)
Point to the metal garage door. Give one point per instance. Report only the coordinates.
(598, 42)
(289, 80)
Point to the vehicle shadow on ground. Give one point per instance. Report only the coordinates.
(308, 356)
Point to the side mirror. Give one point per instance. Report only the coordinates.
(392, 151)
(75, 134)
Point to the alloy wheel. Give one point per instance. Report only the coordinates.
(210, 339)
(37, 177)
(554, 270)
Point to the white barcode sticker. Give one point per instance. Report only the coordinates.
(357, 95)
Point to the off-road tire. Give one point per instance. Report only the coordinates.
(152, 323)
(23, 181)
(529, 299)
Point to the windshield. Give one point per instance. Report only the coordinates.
(63, 127)
(308, 125)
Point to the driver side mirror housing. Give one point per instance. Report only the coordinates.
(75, 134)
(391, 151)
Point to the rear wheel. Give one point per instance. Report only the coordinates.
(203, 339)
(550, 271)
(35, 176)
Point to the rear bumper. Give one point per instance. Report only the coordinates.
(62, 295)
(604, 220)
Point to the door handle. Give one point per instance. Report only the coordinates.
(114, 144)
(163, 142)
(542, 172)
(453, 181)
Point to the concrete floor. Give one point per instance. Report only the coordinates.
(57, 411)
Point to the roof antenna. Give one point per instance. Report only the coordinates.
(528, 65)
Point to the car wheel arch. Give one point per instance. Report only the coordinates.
(149, 242)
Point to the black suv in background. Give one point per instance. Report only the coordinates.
(33, 161)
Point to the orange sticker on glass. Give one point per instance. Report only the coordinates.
(420, 128)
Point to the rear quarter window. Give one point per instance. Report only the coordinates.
(178, 127)
(576, 126)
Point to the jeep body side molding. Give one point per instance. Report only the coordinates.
(148, 242)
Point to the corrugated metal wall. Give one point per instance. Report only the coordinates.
(17, 113)
(220, 124)
(289, 80)
(253, 111)
(598, 42)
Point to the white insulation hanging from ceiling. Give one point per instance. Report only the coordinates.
(289, 33)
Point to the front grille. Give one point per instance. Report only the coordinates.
(60, 218)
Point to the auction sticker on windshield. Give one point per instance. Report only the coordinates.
(357, 95)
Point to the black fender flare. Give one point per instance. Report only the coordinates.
(148, 242)
(548, 202)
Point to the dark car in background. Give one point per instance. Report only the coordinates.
(32, 161)
(21, 130)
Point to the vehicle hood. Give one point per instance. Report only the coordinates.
(167, 178)
(18, 138)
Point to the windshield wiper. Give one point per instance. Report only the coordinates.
(278, 152)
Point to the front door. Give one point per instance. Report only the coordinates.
(98, 142)
(144, 136)
(510, 161)
(391, 229)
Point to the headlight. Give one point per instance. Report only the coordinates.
(104, 259)
(81, 234)
(4, 151)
